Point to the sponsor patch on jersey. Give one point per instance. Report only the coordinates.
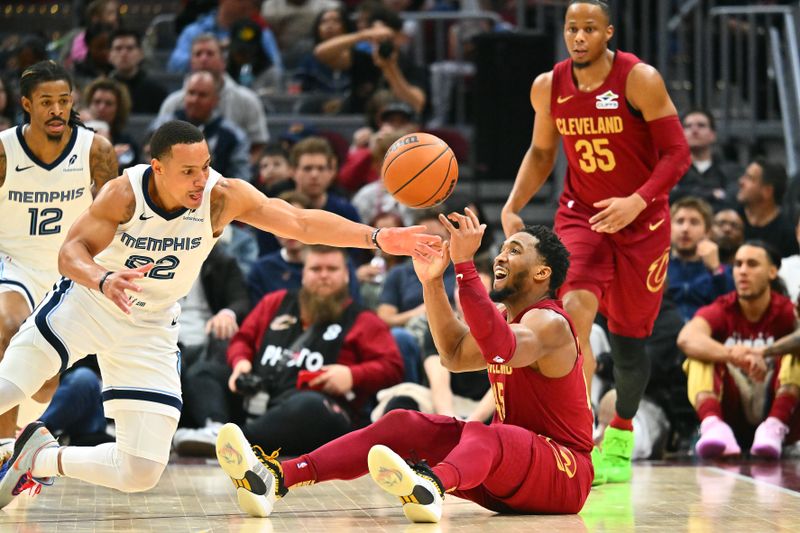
(607, 100)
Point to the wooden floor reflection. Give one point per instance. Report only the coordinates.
(731, 498)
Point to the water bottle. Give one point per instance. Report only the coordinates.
(246, 75)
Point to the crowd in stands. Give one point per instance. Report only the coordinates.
(301, 344)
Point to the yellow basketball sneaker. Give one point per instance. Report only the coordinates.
(258, 477)
(615, 466)
(417, 486)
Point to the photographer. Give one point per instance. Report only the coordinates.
(373, 59)
(311, 355)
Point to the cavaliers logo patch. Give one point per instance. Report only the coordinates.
(657, 272)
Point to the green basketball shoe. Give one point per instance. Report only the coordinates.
(599, 470)
(615, 466)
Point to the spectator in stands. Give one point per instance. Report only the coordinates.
(96, 62)
(109, 101)
(761, 190)
(210, 316)
(218, 23)
(126, 56)
(248, 63)
(283, 268)
(313, 164)
(273, 168)
(316, 329)
(315, 76)
(705, 178)
(380, 64)
(401, 299)
(730, 382)
(73, 46)
(31, 49)
(373, 199)
(790, 270)
(8, 106)
(229, 145)
(727, 230)
(293, 22)
(238, 104)
(696, 275)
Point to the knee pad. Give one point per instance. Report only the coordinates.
(138, 474)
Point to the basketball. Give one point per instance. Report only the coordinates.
(420, 170)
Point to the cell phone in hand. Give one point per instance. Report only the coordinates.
(305, 377)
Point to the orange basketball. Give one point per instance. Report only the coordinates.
(420, 170)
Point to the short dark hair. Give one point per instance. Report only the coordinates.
(773, 174)
(700, 111)
(274, 149)
(125, 32)
(599, 3)
(554, 253)
(383, 14)
(172, 133)
(311, 146)
(427, 213)
(326, 249)
(44, 72)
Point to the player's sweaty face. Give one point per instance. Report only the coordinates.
(512, 265)
(49, 106)
(586, 33)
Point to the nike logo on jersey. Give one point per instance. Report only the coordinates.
(562, 99)
(459, 276)
(18, 169)
(174, 321)
(655, 225)
(142, 217)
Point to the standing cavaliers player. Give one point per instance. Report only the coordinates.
(625, 150)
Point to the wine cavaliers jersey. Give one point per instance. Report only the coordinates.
(557, 408)
(607, 142)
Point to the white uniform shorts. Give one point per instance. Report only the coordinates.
(138, 356)
(31, 283)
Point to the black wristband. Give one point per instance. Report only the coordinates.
(375, 238)
(103, 280)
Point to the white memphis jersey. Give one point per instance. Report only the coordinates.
(176, 242)
(39, 202)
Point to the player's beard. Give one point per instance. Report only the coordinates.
(321, 309)
(510, 290)
(581, 66)
(57, 137)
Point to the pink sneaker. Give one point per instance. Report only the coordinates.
(769, 438)
(716, 439)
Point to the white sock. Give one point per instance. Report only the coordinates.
(46, 463)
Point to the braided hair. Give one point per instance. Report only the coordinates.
(43, 72)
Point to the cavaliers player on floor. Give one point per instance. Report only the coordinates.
(533, 458)
(625, 150)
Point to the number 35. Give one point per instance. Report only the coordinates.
(595, 155)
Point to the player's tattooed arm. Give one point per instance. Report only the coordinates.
(102, 163)
(789, 344)
(219, 199)
(2, 164)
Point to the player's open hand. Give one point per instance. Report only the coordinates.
(123, 280)
(435, 267)
(411, 241)
(466, 238)
(616, 213)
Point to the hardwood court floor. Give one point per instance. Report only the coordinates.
(752, 497)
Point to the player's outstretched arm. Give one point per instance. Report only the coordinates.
(539, 159)
(238, 200)
(102, 163)
(91, 233)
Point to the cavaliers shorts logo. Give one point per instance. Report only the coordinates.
(657, 272)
